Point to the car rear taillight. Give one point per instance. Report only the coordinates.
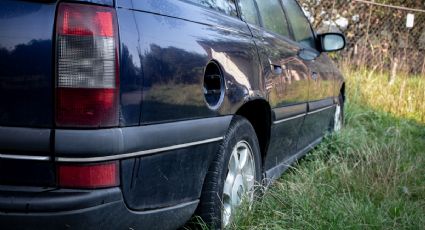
(90, 176)
(87, 66)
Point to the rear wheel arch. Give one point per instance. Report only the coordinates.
(338, 122)
(342, 91)
(258, 113)
(213, 199)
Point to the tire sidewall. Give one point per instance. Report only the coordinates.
(242, 130)
(210, 206)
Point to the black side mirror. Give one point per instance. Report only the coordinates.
(331, 42)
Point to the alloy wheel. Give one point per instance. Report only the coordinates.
(239, 182)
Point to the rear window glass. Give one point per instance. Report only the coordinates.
(224, 6)
(249, 11)
(273, 17)
(300, 25)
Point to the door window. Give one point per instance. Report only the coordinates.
(273, 17)
(224, 6)
(299, 23)
(249, 11)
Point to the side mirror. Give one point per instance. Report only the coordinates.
(331, 42)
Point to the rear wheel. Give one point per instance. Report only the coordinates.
(230, 181)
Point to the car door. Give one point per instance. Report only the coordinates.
(321, 80)
(285, 77)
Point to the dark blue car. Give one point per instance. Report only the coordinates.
(138, 114)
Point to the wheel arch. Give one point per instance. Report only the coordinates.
(258, 113)
(342, 90)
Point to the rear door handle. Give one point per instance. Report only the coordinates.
(276, 69)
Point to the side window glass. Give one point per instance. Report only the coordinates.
(249, 11)
(273, 17)
(299, 23)
(224, 6)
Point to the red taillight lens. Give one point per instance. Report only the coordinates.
(86, 22)
(89, 176)
(87, 66)
(95, 104)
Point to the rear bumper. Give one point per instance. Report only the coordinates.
(79, 209)
(66, 145)
(162, 171)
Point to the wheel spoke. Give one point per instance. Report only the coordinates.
(226, 213)
(234, 163)
(248, 169)
(228, 184)
(243, 158)
(249, 181)
(239, 182)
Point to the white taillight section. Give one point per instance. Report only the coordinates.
(87, 66)
(95, 67)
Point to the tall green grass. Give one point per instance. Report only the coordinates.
(369, 176)
(404, 98)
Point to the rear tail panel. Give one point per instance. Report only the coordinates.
(29, 60)
(26, 63)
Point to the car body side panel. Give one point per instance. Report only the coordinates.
(322, 78)
(168, 50)
(339, 80)
(173, 65)
(166, 179)
(321, 101)
(287, 92)
(283, 142)
(131, 73)
(177, 40)
(316, 125)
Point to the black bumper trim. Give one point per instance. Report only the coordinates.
(288, 112)
(29, 140)
(321, 104)
(30, 199)
(109, 144)
(113, 215)
(119, 143)
(137, 154)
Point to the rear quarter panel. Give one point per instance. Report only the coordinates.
(165, 47)
(175, 41)
(26, 63)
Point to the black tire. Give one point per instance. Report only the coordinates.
(210, 205)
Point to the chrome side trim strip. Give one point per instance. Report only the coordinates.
(24, 157)
(304, 114)
(320, 110)
(288, 119)
(136, 154)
